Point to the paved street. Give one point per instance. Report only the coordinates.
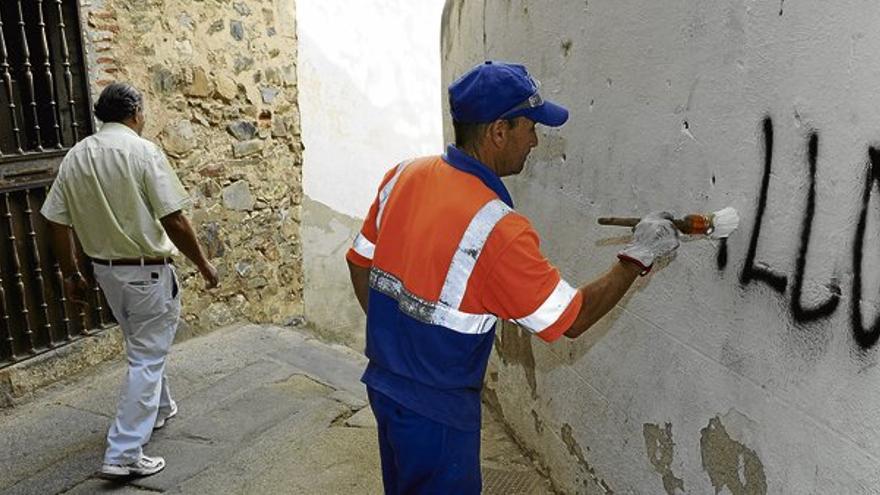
(263, 410)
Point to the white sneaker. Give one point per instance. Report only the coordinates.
(162, 418)
(144, 466)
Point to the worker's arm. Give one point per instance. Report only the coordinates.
(360, 281)
(63, 246)
(360, 256)
(653, 237)
(181, 233)
(601, 295)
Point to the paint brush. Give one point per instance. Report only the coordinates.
(717, 225)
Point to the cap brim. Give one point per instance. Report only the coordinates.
(549, 114)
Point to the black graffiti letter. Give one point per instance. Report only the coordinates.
(721, 259)
(798, 311)
(751, 271)
(865, 338)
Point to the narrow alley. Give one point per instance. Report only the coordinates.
(263, 410)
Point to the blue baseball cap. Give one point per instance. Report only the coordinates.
(498, 90)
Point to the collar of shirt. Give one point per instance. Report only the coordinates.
(116, 127)
(466, 163)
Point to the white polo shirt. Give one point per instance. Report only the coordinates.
(112, 188)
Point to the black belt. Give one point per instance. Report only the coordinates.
(135, 261)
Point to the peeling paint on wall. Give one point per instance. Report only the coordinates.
(539, 423)
(659, 445)
(575, 449)
(729, 463)
(515, 347)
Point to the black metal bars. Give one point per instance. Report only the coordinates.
(35, 314)
(44, 102)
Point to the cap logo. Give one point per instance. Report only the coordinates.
(536, 100)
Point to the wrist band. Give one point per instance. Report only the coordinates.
(628, 259)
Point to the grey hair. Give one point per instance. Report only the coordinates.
(118, 102)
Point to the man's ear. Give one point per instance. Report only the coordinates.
(497, 133)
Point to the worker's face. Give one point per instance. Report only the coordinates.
(521, 138)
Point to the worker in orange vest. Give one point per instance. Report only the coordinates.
(441, 256)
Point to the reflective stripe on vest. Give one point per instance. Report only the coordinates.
(469, 250)
(551, 309)
(386, 191)
(432, 313)
(363, 246)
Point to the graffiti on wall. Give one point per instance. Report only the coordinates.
(756, 272)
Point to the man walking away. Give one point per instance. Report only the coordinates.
(118, 196)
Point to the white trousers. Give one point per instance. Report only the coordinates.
(146, 303)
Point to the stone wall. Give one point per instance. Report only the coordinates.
(220, 83)
(744, 367)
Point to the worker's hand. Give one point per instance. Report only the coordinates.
(209, 273)
(77, 289)
(654, 236)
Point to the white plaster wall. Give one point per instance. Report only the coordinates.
(668, 102)
(369, 91)
(369, 94)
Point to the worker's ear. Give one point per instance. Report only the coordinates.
(498, 132)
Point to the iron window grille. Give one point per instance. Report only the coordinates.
(45, 109)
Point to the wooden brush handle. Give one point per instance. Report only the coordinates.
(619, 221)
(691, 224)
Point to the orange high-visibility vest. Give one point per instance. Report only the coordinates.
(448, 256)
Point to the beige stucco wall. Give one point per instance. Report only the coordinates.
(742, 368)
(221, 95)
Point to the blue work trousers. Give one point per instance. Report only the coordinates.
(421, 456)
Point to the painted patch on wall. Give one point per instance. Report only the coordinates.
(659, 446)
(729, 463)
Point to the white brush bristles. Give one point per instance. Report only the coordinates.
(724, 221)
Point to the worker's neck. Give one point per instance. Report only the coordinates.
(487, 159)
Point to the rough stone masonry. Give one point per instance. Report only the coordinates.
(219, 79)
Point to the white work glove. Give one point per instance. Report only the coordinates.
(654, 236)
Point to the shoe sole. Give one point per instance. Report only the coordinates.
(112, 476)
(130, 473)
